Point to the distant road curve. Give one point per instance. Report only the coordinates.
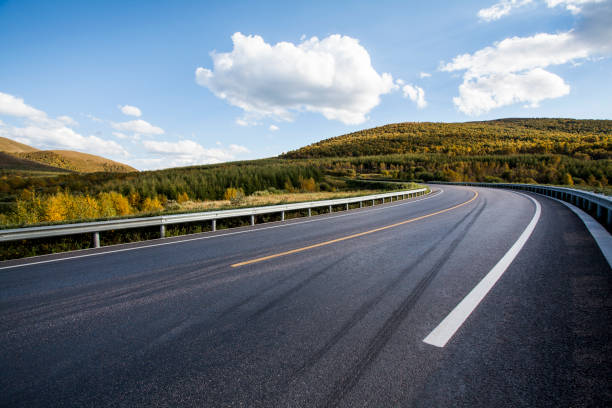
(327, 311)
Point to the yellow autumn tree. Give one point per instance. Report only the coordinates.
(182, 198)
(152, 205)
(58, 207)
(308, 184)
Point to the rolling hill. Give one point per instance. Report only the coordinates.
(11, 146)
(497, 137)
(10, 162)
(54, 160)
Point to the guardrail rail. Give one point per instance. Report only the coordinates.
(162, 221)
(599, 205)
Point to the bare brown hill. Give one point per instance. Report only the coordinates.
(11, 146)
(30, 158)
(10, 162)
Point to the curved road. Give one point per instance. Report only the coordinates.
(326, 311)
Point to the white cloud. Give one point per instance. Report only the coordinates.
(120, 135)
(139, 127)
(520, 53)
(504, 7)
(93, 118)
(416, 94)
(482, 94)
(574, 6)
(62, 137)
(13, 106)
(185, 153)
(498, 10)
(46, 133)
(424, 75)
(238, 149)
(273, 128)
(67, 120)
(130, 110)
(333, 76)
(512, 71)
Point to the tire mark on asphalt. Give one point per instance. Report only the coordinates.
(219, 331)
(295, 289)
(378, 342)
(365, 308)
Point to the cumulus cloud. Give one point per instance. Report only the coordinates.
(139, 127)
(508, 71)
(273, 128)
(333, 76)
(498, 10)
(130, 110)
(416, 94)
(186, 153)
(424, 75)
(504, 7)
(488, 92)
(47, 133)
(13, 106)
(62, 137)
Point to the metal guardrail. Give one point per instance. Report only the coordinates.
(597, 204)
(164, 220)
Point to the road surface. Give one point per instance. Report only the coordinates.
(326, 311)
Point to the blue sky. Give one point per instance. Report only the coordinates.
(162, 84)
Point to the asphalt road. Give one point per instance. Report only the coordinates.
(339, 324)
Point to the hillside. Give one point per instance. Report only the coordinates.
(546, 151)
(10, 162)
(31, 159)
(499, 137)
(76, 161)
(11, 146)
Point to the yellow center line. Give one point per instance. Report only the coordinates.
(360, 234)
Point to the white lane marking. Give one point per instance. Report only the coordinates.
(451, 323)
(601, 236)
(179, 241)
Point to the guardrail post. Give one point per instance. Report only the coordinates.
(330, 209)
(162, 231)
(598, 207)
(361, 204)
(310, 212)
(383, 200)
(252, 220)
(282, 216)
(346, 206)
(372, 203)
(96, 239)
(214, 225)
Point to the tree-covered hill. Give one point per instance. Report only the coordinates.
(584, 139)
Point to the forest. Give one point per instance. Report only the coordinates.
(545, 151)
(582, 139)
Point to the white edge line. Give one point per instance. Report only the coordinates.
(455, 319)
(601, 236)
(179, 241)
